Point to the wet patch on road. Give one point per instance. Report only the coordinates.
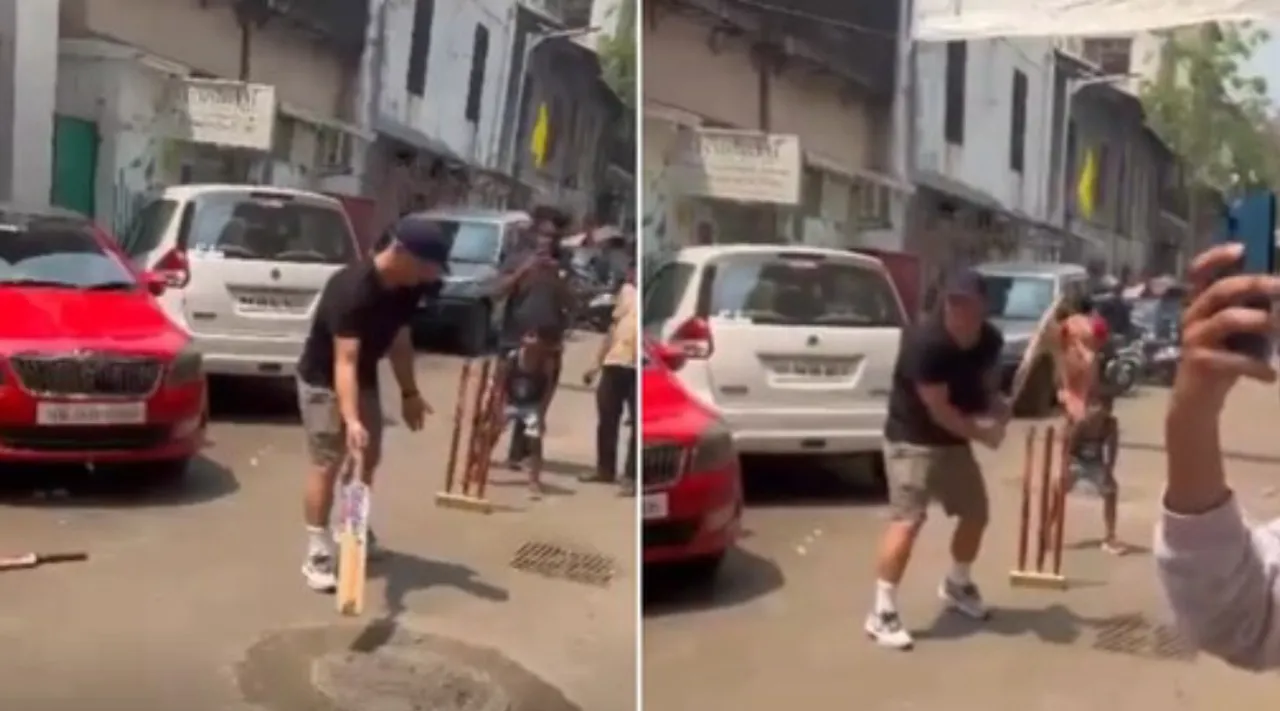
(385, 667)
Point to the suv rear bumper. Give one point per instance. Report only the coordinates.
(807, 431)
(249, 356)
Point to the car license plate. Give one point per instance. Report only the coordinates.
(812, 369)
(91, 413)
(654, 506)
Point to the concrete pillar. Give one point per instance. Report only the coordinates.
(28, 93)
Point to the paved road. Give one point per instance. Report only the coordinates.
(783, 629)
(193, 600)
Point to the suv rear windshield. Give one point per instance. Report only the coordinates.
(473, 242)
(801, 290)
(268, 226)
(1018, 298)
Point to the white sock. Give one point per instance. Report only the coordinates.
(886, 596)
(319, 541)
(960, 574)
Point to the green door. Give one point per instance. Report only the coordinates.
(75, 164)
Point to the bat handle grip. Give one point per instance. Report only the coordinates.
(354, 465)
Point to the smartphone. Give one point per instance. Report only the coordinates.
(1251, 221)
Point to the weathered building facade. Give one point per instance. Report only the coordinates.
(774, 72)
(1106, 131)
(440, 89)
(130, 90)
(981, 145)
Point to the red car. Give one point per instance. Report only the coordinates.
(692, 498)
(91, 370)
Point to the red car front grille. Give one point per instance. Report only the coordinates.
(87, 374)
(663, 465)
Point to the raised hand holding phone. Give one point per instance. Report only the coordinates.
(1250, 221)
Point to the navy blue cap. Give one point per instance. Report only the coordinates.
(424, 240)
(965, 282)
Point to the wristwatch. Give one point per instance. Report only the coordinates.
(406, 394)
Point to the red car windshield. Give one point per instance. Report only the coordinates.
(57, 252)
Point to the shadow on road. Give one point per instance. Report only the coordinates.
(743, 577)
(124, 486)
(252, 401)
(809, 481)
(1056, 624)
(1131, 633)
(515, 479)
(406, 574)
(1247, 457)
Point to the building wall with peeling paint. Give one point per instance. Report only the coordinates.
(304, 71)
(119, 97)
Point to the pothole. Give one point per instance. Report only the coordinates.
(385, 667)
(406, 680)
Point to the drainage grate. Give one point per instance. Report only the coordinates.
(1138, 636)
(553, 560)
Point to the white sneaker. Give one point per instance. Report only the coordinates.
(887, 630)
(963, 598)
(318, 571)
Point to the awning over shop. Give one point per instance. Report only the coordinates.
(413, 137)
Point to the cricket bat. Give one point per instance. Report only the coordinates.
(353, 536)
(35, 560)
(1040, 341)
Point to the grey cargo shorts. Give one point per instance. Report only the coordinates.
(325, 430)
(920, 474)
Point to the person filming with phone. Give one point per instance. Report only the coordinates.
(1220, 573)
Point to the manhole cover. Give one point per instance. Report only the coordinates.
(1137, 636)
(402, 681)
(553, 560)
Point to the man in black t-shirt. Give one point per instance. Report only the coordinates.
(945, 395)
(362, 316)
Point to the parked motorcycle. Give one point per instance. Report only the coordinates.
(1123, 367)
(1158, 320)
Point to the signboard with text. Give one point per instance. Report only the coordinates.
(743, 166)
(223, 113)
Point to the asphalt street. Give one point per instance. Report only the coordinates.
(193, 598)
(783, 628)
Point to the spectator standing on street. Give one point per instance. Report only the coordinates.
(945, 395)
(1220, 573)
(362, 316)
(538, 301)
(615, 365)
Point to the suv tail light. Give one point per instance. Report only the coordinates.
(175, 269)
(693, 338)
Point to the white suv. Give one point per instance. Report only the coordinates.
(794, 346)
(244, 266)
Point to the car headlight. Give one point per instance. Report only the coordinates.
(187, 367)
(713, 450)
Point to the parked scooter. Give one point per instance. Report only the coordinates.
(1123, 367)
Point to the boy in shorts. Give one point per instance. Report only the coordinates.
(530, 370)
(1092, 429)
(1094, 444)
